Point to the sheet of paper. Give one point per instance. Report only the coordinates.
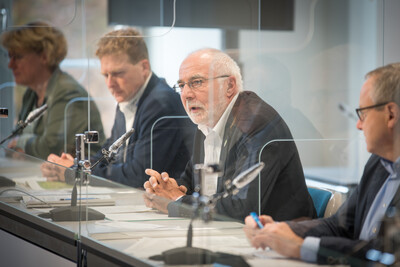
(142, 216)
(65, 200)
(124, 209)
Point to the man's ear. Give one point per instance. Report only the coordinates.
(394, 114)
(145, 65)
(232, 87)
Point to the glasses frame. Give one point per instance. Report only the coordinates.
(179, 89)
(359, 110)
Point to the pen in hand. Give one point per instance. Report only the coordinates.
(256, 219)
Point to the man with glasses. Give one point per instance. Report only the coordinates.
(236, 129)
(349, 234)
(162, 137)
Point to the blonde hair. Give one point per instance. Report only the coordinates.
(38, 37)
(127, 41)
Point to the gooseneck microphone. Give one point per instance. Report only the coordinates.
(33, 115)
(114, 147)
(243, 179)
(120, 141)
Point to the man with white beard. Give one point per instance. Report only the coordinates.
(234, 127)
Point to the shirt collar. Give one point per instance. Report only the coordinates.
(130, 105)
(396, 165)
(219, 128)
(391, 167)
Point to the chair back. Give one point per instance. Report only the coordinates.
(320, 198)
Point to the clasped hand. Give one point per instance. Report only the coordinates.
(161, 189)
(54, 172)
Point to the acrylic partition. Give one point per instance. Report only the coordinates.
(302, 64)
(122, 228)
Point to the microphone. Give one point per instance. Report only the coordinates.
(33, 115)
(120, 141)
(243, 179)
(114, 147)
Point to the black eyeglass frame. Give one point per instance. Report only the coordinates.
(179, 89)
(359, 110)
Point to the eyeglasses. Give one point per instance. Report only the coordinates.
(195, 83)
(361, 114)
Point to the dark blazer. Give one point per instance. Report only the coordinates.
(160, 144)
(255, 128)
(340, 233)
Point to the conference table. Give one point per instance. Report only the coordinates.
(129, 235)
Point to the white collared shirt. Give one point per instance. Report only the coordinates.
(129, 108)
(212, 148)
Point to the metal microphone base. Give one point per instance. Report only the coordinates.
(73, 213)
(198, 256)
(187, 255)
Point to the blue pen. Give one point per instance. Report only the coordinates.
(255, 217)
(78, 198)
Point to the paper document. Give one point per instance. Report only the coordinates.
(65, 200)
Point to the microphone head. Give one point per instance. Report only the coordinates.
(36, 113)
(120, 141)
(247, 176)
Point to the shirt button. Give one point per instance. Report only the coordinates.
(384, 205)
(374, 230)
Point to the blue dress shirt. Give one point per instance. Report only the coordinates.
(310, 247)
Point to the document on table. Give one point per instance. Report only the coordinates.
(139, 216)
(65, 200)
(124, 209)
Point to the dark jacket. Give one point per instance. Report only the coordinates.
(159, 141)
(255, 132)
(340, 233)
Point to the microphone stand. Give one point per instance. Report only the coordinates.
(82, 170)
(193, 255)
(190, 254)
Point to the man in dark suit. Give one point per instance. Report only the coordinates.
(146, 103)
(236, 129)
(346, 236)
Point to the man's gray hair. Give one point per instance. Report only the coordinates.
(386, 84)
(223, 64)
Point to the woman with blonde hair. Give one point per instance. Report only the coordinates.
(35, 52)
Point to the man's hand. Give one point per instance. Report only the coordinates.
(163, 186)
(65, 159)
(54, 172)
(251, 229)
(156, 202)
(277, 236)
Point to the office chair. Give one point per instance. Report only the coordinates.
(320, 198)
